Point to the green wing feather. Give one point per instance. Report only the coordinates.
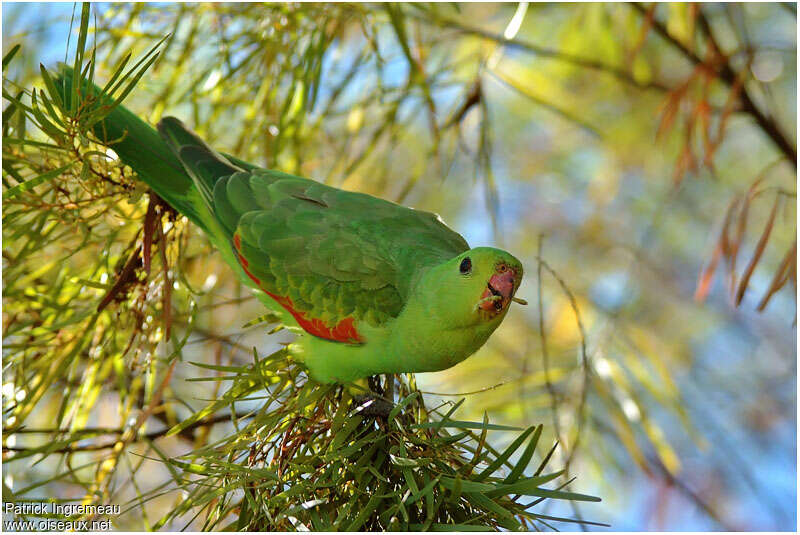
(336, 254)
(203, 164)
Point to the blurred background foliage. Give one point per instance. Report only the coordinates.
(639, 159)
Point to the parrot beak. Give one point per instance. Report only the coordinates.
(499, 290)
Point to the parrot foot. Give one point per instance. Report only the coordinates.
(373, 401)
(372, 406)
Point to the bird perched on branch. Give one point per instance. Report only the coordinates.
(372, 287)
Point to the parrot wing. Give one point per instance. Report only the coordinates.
(333, 259)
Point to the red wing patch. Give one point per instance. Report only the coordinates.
(344, 331)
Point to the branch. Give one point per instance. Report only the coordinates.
(619, 73)
(97, 447)
(728, 76)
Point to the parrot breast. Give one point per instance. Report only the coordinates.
(344, 331)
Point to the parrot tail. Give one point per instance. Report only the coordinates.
(142, 148)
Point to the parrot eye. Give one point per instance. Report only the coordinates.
(466, 266)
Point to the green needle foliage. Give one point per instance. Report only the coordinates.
(99, 302)
(310, 458)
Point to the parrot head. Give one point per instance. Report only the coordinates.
(476, 287)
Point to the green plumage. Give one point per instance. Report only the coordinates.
(378, 287)
(326, 248)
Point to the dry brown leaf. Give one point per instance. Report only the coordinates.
(166, 292)
(759, 250)
(671, 107)
(721, 249)
(647, 23)
(707, 275)
(727, 110)
(787, 270)
(149, 229)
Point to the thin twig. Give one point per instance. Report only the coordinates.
(584, 359)
(153, 435)
(543, 339)
(573, 447)
(479, 391)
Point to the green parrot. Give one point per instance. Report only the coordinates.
(371, 286)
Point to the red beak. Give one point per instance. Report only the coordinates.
(501, 284)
